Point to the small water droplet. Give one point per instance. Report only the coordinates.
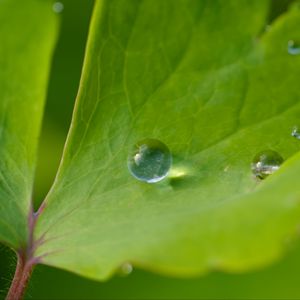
(58, 7)
(293, 47)
(266, 163)
(126, 269)
(149, 160)
(296, 133)
(226, 168)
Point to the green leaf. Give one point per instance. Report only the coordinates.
(203, 78)
(28, 29)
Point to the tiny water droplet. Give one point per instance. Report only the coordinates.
(58, 7)
(296, 133)
(226, 168)
(149, 160)
(293, 47)
(126, 269)
(266, 163)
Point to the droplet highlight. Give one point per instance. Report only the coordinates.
(149, 160)
(58, 7)
(266, 163)
(293, 47)
(178, 172)
(296, 133)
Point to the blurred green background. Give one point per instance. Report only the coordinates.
(279, 281)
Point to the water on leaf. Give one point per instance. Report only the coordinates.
(149, 160)
(293, 47)
(266, 163)
(126, 269)
(296, 133)
(58, 7)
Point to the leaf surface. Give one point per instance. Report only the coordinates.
(27, 31)
(202, 77)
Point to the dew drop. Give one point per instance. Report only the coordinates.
(126, 269)
(149, 160)
(266, 163)
(293, 47)
(58, 7)
(296, 133)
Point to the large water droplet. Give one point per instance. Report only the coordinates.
(293, 47)
(149, 160)
(266, 163)
(296, 133)
(58, 7)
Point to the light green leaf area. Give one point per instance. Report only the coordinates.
(27, 33)
(203, 78)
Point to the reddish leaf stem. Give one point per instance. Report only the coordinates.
(21, 277)
(25, 263)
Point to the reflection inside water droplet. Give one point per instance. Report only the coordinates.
(293, 47)
(266, 163)
(58, 7)
(149, 160)
(296, 133)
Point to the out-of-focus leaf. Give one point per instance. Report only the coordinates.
(27, 33)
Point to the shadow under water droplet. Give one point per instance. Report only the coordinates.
(182, 173)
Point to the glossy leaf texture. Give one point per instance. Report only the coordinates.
(204, 78)
(27, 32)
